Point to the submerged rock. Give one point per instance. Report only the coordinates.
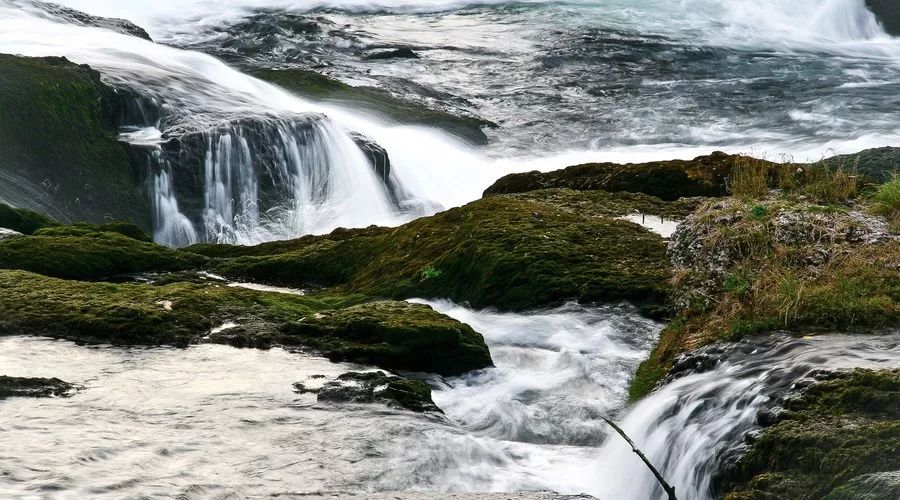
(11, 387)
(398, 53)
(311, 84)
(375, 387)
(65, 14)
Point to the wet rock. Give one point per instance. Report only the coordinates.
(58, 149)
(888, 14)
(375, 387)
(11, 387)
(837, 438)
(61, 13)
(398, 53)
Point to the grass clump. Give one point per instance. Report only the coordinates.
(886, 201)
(836, 430)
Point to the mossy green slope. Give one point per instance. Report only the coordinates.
(508, 252)
(315, 85)
(91, 252)
(58, 149)
(391, 335)
(835, 431)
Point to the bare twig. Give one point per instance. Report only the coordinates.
(670, 490)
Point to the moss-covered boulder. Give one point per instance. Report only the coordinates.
(395, 335)
(825, 440)
(509, 252)
(91, 252)
(12, 387)
(315, 85)
(58, 149)
(668, 180)
(744, 267)
(392, 335)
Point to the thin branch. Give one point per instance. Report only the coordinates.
(670, 490)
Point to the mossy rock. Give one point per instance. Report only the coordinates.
(877, 164)
(834, 432)
(392, 335)
(58, 148)
(11, 387)
(315, 85)
(667, 180)
(798, 267)
(396, 335)
(91, 252)
(509, 252)
(876, 486)
(22, 220)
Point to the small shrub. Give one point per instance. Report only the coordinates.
(759, 212)
(430, 272)
(737, 283)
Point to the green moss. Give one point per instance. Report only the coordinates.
(389, 334)
(58, 147)
(84, 229)
(91, 253)
(318, 86)
(835, 431)
(509, 252)
(21, 220)
(396, 335)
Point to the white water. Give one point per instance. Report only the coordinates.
(217, 421)
(198, 91)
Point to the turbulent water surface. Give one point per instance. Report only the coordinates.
(566, 81)
(215, 420)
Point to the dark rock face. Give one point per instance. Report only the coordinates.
(667, 180)
(398, 53)
(58, 149)
(375, 387)
(11, 387)
(73, 16)
(888, 12)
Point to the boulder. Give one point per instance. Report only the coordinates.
(11, 387)
(374, 387)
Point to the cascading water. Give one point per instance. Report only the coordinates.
(155, 416)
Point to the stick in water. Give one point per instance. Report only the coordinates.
(670, 490)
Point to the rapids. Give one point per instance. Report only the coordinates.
(213, 420)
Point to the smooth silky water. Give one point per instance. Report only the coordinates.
(213, 420)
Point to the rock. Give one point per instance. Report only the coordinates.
(876, 164)
(888, 14)
(398, 53)
(314, 85)
(11, 387)
(668, 180)
(876, 486)
(8, 233)
(21, 220)
(59, 154)
(490, 253)
(837, 438)
(375, 387)
(393, 335)
(72, 16)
